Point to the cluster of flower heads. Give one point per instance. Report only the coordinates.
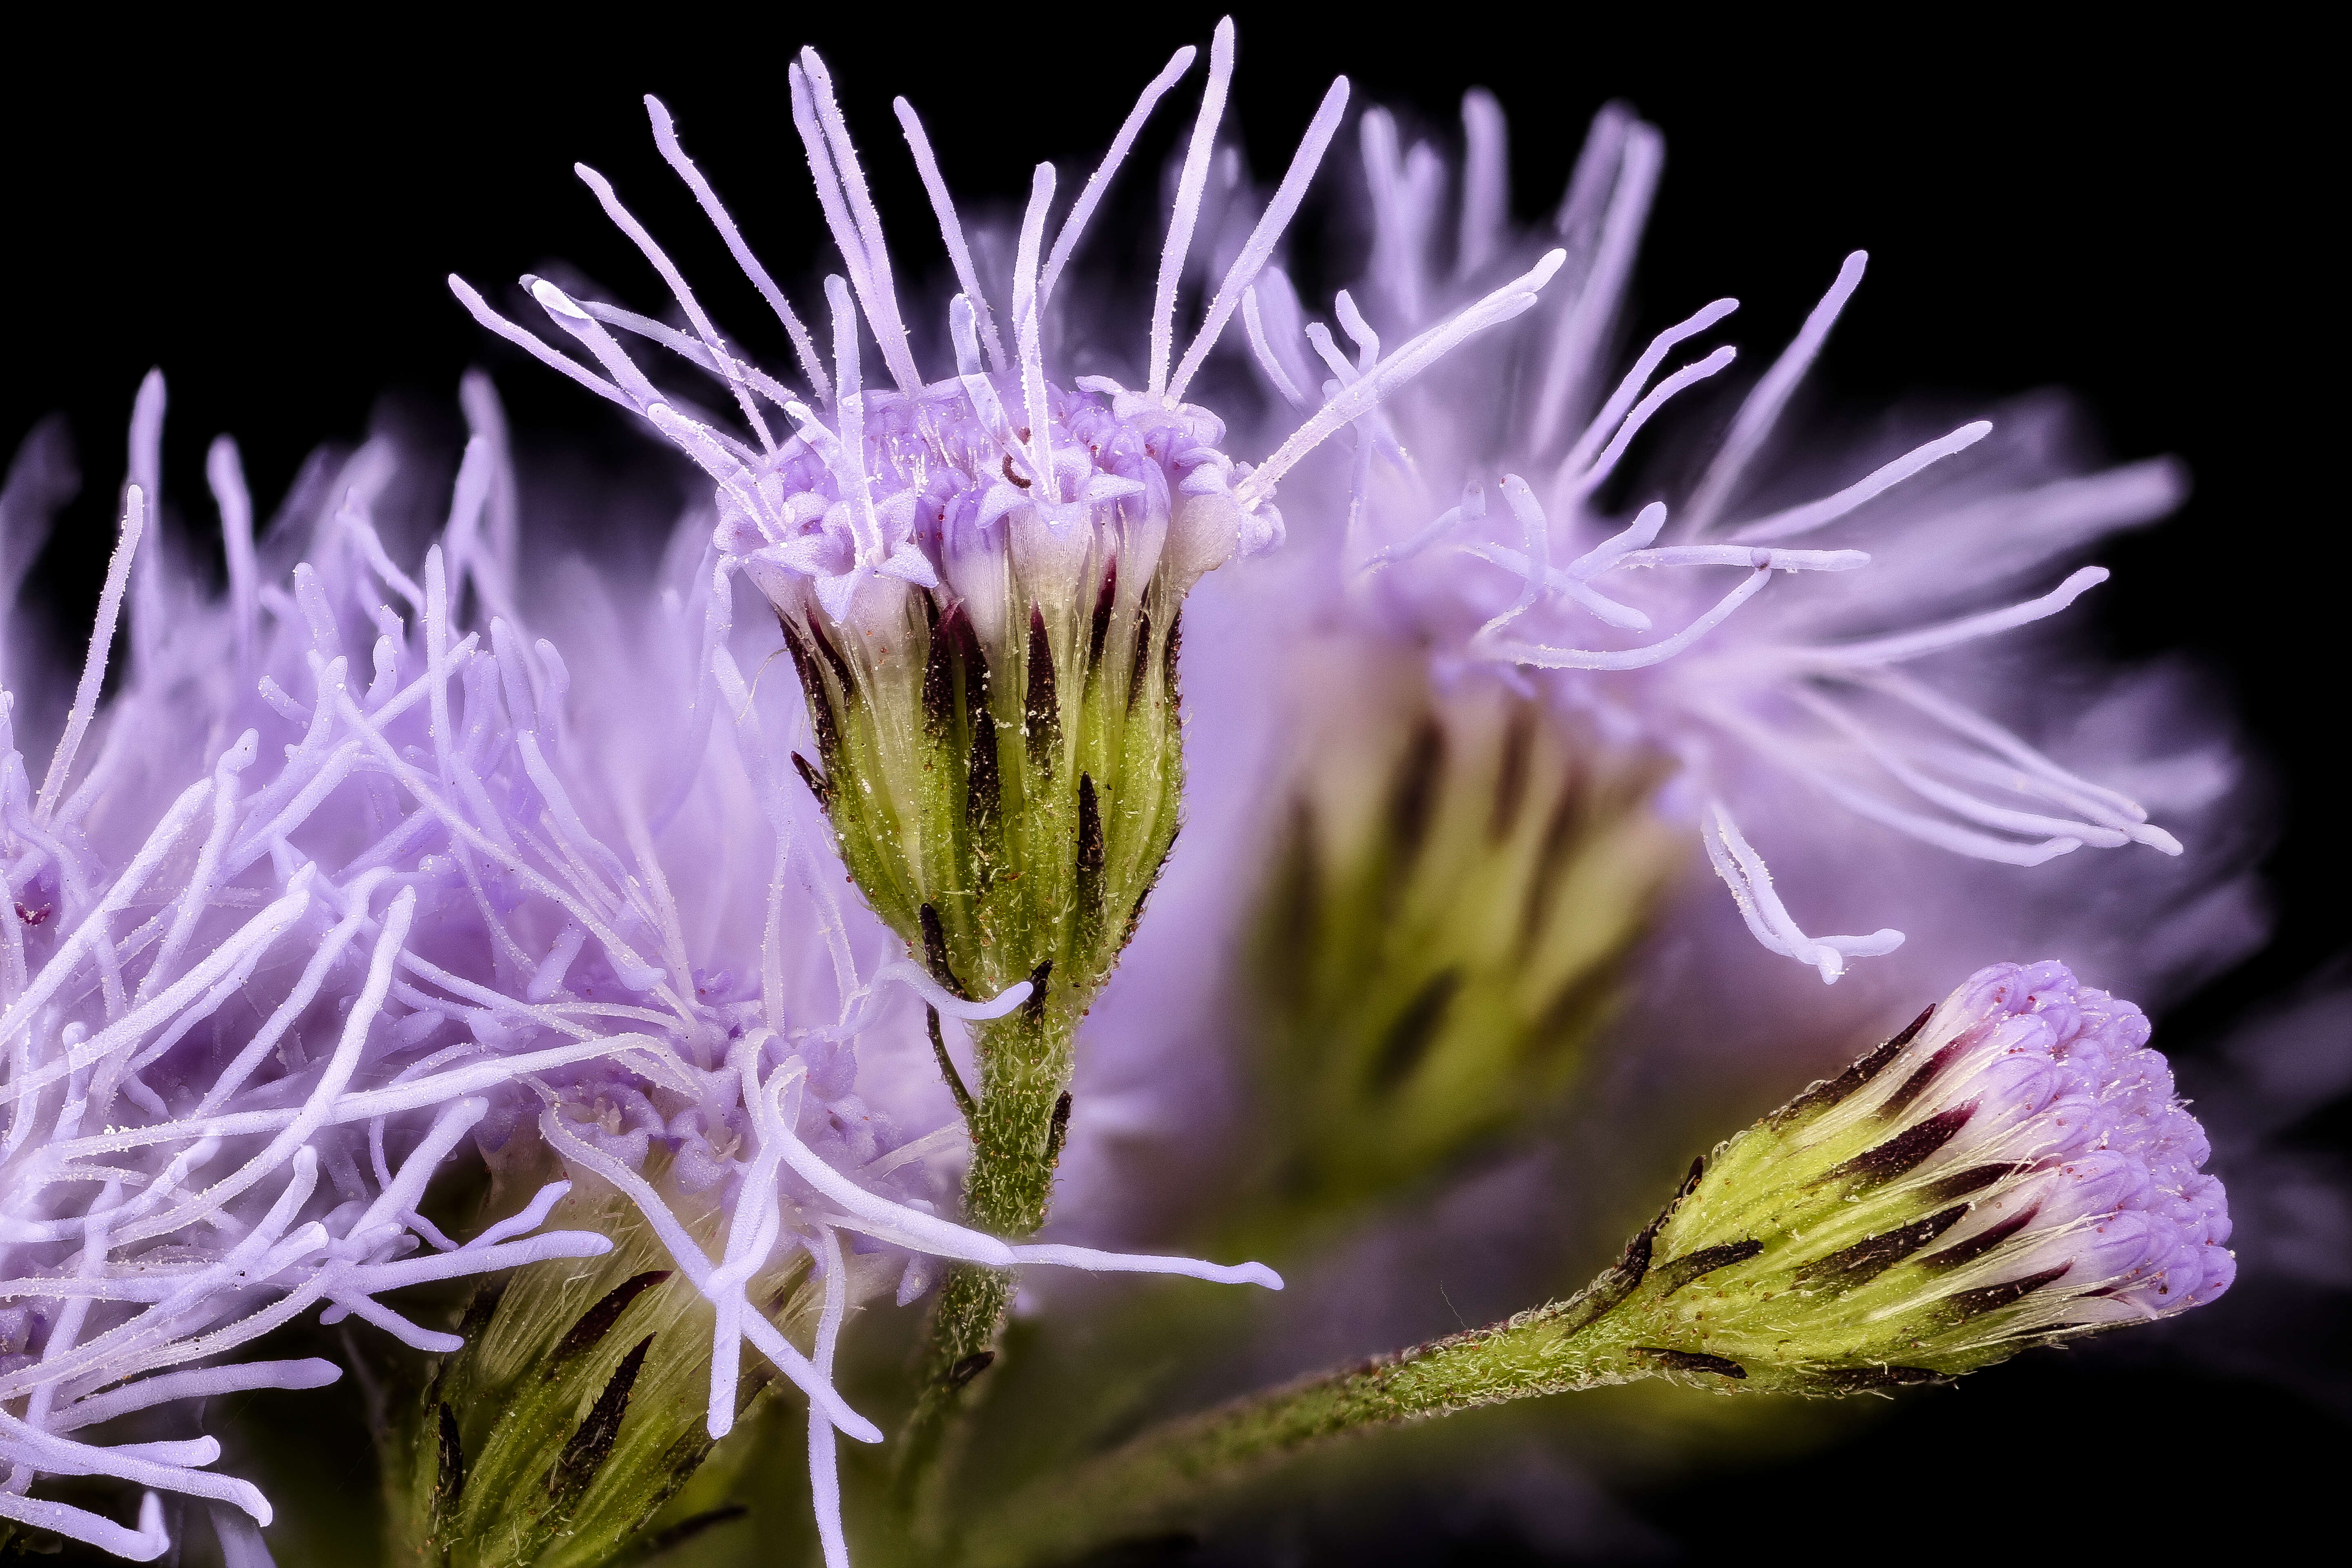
(483, 882)
(1528, 579)
(250, 1014)
(480, 859)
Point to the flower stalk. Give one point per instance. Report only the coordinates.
(1555, 1349)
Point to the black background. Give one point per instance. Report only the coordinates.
(2126, 211)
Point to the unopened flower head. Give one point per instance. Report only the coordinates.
(1478, 526)
(2012, 1170)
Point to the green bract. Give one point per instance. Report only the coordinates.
(1455, 890)
(1006, 810)
(579, 1406)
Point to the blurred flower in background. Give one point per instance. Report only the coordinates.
(1482, 841)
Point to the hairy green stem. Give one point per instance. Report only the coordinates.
(1017, 1121)
(1162, 1475)
(1025, 1060)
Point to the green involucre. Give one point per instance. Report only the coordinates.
(1452, 900)
(1005, 804)
(579, 1406)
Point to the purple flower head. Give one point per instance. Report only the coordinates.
(2045, 1092)
(2013, 1168)
(1837, 656)
(993, 489)
(230, 1075)
(980, 579)
(1789, 653)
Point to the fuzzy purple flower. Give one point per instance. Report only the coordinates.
(994, 478)
(1506, 713)
(221, 1020)
(417, 837)
(1475, 524)
(981, 580)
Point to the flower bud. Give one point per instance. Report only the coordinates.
(2012, 1170)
